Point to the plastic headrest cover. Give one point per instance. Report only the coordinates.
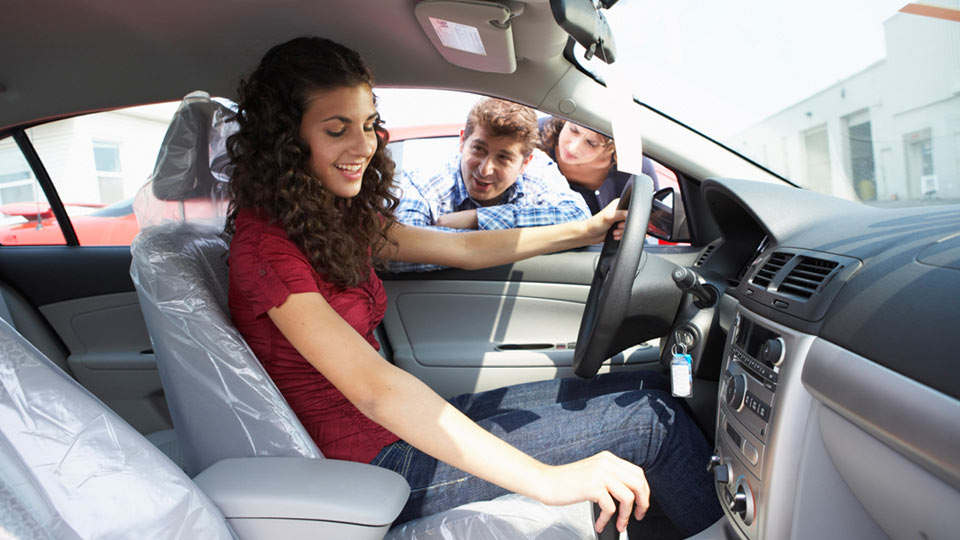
(183, 169)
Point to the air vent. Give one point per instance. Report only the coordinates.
(806, 277)
(705, 255)
(765, 275)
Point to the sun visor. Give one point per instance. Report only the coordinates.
(471, 34)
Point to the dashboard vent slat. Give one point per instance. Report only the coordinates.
(766, 273)
(805, 278)
(705, 255)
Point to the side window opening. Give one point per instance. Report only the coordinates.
(424, 130)
(25, 215)
(97, 162)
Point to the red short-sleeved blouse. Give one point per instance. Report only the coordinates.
(265, 268)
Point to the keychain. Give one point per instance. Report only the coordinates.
(681, 371)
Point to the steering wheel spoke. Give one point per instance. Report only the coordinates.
(613, 279)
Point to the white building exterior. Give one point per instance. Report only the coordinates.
(95, 159)
(888, 132)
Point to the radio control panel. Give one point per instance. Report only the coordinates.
(756, 358)
(749, 381)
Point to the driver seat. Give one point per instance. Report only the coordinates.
(221, 399)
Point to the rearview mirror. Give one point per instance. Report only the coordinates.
(666, 216)
(585, 24)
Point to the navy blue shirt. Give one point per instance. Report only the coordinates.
(612, 187)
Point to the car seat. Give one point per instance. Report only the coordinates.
(71, 468)
(222, 401)
(23, 316)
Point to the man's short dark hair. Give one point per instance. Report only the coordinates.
(502, 118)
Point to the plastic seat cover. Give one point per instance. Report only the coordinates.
(104, 479)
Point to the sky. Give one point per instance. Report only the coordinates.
(719, 66)
(724, 66)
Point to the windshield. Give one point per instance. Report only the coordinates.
(856, 98)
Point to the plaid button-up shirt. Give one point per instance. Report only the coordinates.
(540, 196)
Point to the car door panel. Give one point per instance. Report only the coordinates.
(471, 323)
(468, 331)
(87, 298)
(47, 274)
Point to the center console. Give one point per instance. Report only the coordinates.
(760, 387)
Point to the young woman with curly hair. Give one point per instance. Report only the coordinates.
(311, 209)
(588, 160)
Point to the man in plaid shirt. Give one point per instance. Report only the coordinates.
(497, 181)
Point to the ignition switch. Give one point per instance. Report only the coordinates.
(687, 337)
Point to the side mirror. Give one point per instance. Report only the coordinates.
(667, 218)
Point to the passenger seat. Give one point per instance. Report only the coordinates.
(19, 313)
(73, 469)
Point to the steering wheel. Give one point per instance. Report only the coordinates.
(613, 280)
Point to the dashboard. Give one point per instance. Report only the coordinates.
(838, 411)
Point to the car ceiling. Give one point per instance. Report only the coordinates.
(58, 55)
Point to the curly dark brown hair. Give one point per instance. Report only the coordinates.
(272, 171)
(550, 134)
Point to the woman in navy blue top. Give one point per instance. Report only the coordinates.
(588, 160)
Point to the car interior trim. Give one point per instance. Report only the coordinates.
(49, 191)
(850, 384)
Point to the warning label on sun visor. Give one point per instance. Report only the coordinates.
(458, 36)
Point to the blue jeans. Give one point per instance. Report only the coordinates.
(631, 414)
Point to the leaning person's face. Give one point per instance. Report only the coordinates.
(337, 125)
(578, 145)
(490, 165)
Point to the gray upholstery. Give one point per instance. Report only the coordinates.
(78, 469)
(221, 399)
(25, 319)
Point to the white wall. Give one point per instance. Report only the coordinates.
(66, 149)
(916, 88)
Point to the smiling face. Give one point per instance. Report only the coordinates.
(338, 125)
(490, 165)
(578, 145)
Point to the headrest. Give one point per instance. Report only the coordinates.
(189, 182)
(184, 168)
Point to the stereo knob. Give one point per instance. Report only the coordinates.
(773, 351)
(735, 388)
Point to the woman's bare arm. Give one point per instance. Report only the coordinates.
(481, 249)
(404, 405)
